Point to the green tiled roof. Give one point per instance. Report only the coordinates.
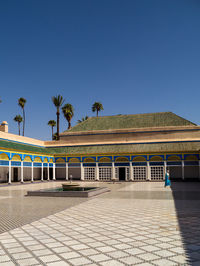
(130, 121)
(8, 144)
(128, 148)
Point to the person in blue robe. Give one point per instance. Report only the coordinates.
(167, 180)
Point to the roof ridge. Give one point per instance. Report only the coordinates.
(131, 114)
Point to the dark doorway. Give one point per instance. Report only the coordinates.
(122, 173)
(15, 174)
(50, 173)
(45, 173)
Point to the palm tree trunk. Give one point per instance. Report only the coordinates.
(97, 113)
(69, 124)
(58, 123)
(52, 132)
(19, 128)
(23, 121)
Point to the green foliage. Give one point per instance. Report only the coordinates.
(58, 102)
(52, 123)
(55, 136)
(18, 118)
(21, 103)
(97, 107)
(82, 119)
(68, 112)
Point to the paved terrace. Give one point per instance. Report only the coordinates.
(135, 224)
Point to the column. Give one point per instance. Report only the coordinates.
(165, 169)
(183, 175)
(42, 174)
(32, 172)
(9, 172)
(47, 171)
(148, 171)
(54, 171)
(82, 172)
(113, 170)
(66, 171)
(130, 171)
(97, 172)
(22, 173)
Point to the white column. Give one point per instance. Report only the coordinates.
(148, 171)
(82, 172)
(9, 172)
(131, 172)
(54, 171)
(48, 171)
(22, 173)
(113, 170)
(165, 169)
(66, 171)
(42, 173)
(32, 172)
(97, 172)
(183, 175)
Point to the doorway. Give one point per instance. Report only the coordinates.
(15, 174)
(51, 173)
(122, 173)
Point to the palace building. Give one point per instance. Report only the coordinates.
(123, 147)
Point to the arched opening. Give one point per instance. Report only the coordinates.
(105, 160)
(156, 159)
(121, 159)
(16, 158)
(74, 160)
(89, 160)
(27, 159)
(139, 159)
(4, 162)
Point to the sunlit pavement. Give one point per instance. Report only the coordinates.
(134, 224)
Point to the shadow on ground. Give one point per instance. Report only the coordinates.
(186, 197)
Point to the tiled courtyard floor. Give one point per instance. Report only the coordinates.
(135, 224)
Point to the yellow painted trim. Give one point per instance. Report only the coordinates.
(4, 157)
(16, 157)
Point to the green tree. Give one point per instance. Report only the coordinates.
(97, 107)
(18, 119)
(82, 119)
(58, 102)
(68, 112)
(55, 136)
(52, 124)
(21, 103)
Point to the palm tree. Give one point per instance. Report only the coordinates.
(52, 123)
(82, 119)
(18, 119)
(58, 102)
(97, 107)
(68, 112)
(55, 136)
(21, 103)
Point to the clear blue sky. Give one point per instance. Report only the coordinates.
(134, 56)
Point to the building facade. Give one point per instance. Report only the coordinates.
(123, 147)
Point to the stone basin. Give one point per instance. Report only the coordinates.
(81, 192)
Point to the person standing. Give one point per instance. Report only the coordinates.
(167, 180)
